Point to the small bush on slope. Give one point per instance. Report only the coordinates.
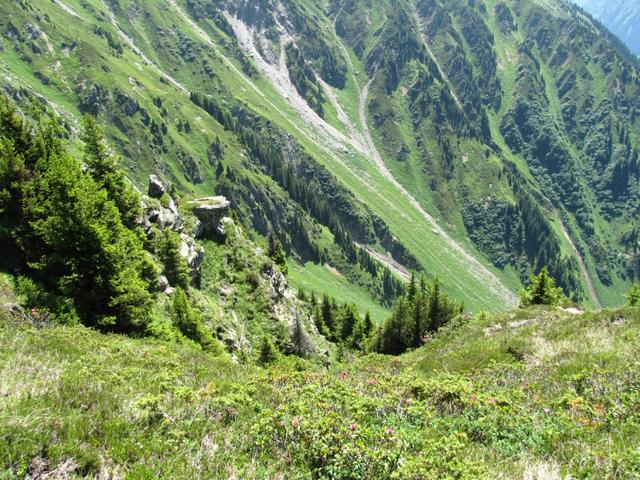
(633, 297)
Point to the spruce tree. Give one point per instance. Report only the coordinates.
(106, 171)
(542, 290)
(267, 351)
(276, 252)
(633, 297)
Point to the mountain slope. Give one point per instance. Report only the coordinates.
(444, 138)
(619, 16)
(530, 394)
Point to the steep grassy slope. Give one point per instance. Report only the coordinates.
(455, 137)
(499, 113)
(128, 89)
(529, 394)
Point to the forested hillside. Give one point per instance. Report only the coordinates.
(463, 140)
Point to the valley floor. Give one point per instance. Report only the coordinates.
(534, 393)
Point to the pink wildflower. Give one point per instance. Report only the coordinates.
(296, 422)
(390, 431)
(282, 423)
(344, 375)
(372, 381)
(353, 426)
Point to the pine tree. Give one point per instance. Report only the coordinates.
(267, 351)
(368, 324)
(300, 340)
(176, 268)
(633, 297)
(67, 231)
(542, 290)
(190, 322)
(276, 252)
(106, 171)
(411, 292)
(349, 319)
(327, 316)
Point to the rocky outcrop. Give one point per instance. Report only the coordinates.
(194, 254)
(156, 188)
(163, 217)
(210, 212)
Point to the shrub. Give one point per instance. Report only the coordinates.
(190, 323)
(633, 297)
(542, 290)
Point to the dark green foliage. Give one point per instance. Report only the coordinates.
(67, 231)
(106, 171)
(420, 312)
(633, 297)
(520, 235)
(542, 290)
(176, 269)
(276, 252)
(190, 322)
(304, 79)
(267, 351)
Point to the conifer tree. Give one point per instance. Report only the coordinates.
(190, 322)
(106, 171)
(276, 252)
(267, 351)
(542, 290)
(633, 297)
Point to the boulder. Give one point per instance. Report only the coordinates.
(163, 217)
(163, 283)
(210, 211)
(156, 188)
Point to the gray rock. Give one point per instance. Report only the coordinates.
(210, 211)
(164, 283)
(194, 254)
(198, 229)
(156, 188)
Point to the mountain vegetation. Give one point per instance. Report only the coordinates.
(342, 239)
(536, 393)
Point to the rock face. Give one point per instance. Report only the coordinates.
(210, 211)
(194, 255)
(163, 217)
(156, 188)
